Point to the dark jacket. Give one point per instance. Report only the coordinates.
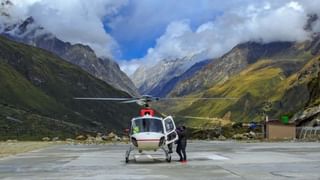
(182, 136)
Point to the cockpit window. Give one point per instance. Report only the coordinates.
(147, 125)
(169, 125)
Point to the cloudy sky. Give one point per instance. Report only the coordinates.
(135, 32)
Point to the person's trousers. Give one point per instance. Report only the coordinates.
(181, 150)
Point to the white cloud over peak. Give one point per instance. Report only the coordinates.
(75, 21)
(169, 29)
(265, 22)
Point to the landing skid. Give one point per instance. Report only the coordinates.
(127, 155)
(168, 155)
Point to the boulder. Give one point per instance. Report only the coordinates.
(81, 138)
(104, 137)
(306, 114)
(45, 139)
(90, 139)
(252, 134)
(239, 136)
(98, 138)
(111, 136)
(222, 138)
(55, 139)
(125, 138)
(116, 138)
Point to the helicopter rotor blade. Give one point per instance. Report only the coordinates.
(130, 101)
(144, 100)
(103, 99)
(217, 98)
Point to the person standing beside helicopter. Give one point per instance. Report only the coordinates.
(182, 143)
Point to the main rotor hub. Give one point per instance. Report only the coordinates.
(146, 111)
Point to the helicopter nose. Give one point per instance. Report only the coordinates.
(148, 144)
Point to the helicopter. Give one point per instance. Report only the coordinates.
(149, 132)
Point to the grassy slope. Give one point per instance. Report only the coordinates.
(25, 94)
(258, 86)
(38, 83)
(309, 76)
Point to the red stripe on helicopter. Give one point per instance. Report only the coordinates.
(148, 140)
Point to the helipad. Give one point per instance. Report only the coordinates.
(207, 160)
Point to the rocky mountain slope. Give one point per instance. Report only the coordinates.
(36, 96)
(150, 79)
(221, 69)
(279, 78)
(29, 32)
(262, 83)
(309, 78)
(162, 89)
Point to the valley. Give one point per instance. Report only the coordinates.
(269, 83)
(160, 89)
(42, 71)
(37, 88)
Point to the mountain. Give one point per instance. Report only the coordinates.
(308, 84)
(163, 89)
(221, 69)
(256, 86)
(150, 78)
(275, 79)
(36, 96)
(29, 32)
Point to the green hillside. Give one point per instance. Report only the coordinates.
(261, 88)
(37, 89)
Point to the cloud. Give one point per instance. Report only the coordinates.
(147, 20)
(169, 29)
(263, 22)
(75, 21)
(129, 67)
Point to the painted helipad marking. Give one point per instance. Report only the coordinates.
(217, 157)
(143, 157)
(208, 156)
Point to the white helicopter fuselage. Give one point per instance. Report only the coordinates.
(152, 133)
(148, 141)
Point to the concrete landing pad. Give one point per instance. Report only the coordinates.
(206, 160)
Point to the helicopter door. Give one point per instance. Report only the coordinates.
(170, 130)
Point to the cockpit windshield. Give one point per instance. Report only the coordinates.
(147, 125)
